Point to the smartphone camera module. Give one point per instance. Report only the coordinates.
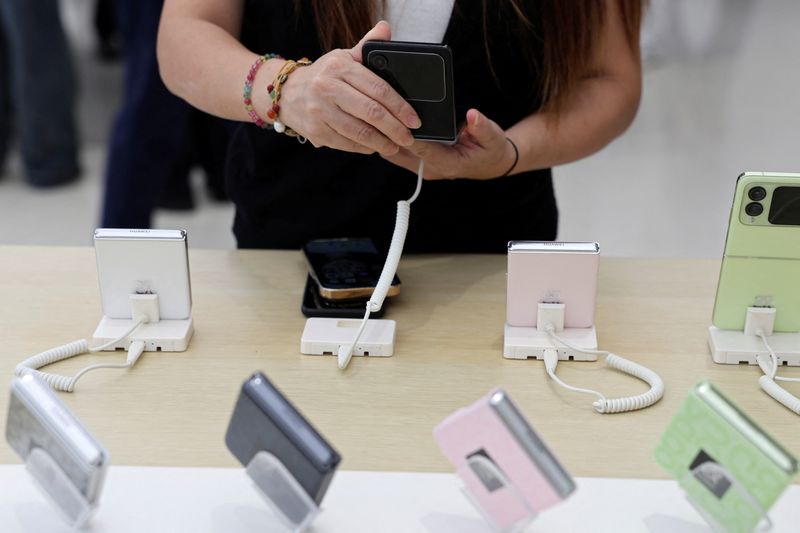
(757, 193)
(379, 62)
(754, 209)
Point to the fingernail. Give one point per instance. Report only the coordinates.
(413, 122)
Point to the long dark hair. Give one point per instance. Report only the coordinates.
(568, 32)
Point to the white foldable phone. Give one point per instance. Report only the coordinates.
(143, 261)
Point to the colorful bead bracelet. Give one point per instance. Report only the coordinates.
(248, 89)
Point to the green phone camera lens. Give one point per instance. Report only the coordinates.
(757, 194)
(754, 209)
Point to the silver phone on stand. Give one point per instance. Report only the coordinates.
(66, 461)
(143, 261)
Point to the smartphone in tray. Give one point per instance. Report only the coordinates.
(422, 73)
(346, 269)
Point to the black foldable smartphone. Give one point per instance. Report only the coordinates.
(264, 420)
(422, 73)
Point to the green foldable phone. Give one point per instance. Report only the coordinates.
(761, 264)
(728, 466)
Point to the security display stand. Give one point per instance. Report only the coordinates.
(324, 336)
(713, 476)
(161, 336)
(529, 342)
(287, 499)
(733, 347)
(519, 512)
(58, 488)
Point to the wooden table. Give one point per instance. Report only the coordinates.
(173, 409)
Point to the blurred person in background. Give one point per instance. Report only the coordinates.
(105, 27)
(157, 138)
(37, 92)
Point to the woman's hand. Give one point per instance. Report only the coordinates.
(337, 102)
(482, 152)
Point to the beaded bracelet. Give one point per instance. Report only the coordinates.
(248, 89)
(274, 90)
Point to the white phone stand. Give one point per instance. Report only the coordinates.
(158, 335)
(161, 336)
(714, 471)
(324, 336)
(58, 488)
(530, 342)
(526, 514)
(284, 495)
(733, 347)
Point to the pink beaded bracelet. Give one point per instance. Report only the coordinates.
(248, 89)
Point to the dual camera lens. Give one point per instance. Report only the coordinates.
(756, 194)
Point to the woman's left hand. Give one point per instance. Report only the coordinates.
(481, 152)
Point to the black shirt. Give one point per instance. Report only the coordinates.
(287, 193)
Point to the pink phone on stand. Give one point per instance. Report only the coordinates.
(508, 471)
(552, 272)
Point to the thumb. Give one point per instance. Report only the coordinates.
(381, 32)
(481, 128)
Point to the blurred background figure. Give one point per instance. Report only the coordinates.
(105, 26)
(37, 92)
(157, 138)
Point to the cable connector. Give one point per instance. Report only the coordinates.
(145, 307)
(550, 317)
(550, 359)
(759, 321)
(135, 351)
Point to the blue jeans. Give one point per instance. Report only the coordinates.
(38, 85)
(157, 137)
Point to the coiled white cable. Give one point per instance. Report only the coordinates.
(768, 381)
(603, 404)
(66, 383)
(389, 268)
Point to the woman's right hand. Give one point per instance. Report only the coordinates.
(339, 103)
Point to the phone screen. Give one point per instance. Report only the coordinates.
(345, 263)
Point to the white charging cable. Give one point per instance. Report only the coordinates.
(768, 381)
(144, 310)
(389, 268)
(603, 404)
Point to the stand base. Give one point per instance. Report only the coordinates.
(161, 336)
(282, 492)
(529, 342)
(324, 336)
(59, 488)
(733, 347)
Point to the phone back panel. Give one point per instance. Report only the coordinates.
(478, 429)
(699, 434)
(277, 429)
(436, 113)
(761, 262)
(551, 277)
(143, 265)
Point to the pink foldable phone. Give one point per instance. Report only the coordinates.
(507, 469)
